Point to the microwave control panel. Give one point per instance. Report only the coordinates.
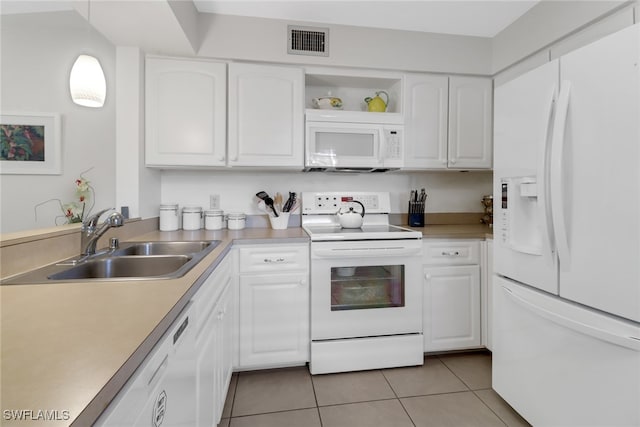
(393, 143)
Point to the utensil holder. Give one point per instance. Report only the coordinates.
(416, 214)
(281, 222)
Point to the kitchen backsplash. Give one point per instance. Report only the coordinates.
(447, 192)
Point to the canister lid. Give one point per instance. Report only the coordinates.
(236, 215)
(214, 212)
(168, 206)
(191, 209)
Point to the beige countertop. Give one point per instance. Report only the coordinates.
(455, 231)
(70, 347)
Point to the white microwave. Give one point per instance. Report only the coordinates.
(348, 145)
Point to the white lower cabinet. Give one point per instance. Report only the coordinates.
(214, 344)
(451, 318)
(162, 391)
(273, 306)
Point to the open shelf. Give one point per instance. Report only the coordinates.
(353, 89)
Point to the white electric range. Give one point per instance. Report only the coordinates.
(366, 286)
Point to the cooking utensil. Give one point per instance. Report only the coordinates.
(278, 201)
(290, 202)
(267, 200)
(351, 218)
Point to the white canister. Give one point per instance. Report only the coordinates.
(191, 218)
(213, 219)
(236, 221)
(169, 217)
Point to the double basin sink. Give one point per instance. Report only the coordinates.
(132, 260)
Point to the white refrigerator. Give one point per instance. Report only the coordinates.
(566, 285)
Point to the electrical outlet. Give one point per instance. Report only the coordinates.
(214, 201)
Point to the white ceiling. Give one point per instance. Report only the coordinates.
(480, 18)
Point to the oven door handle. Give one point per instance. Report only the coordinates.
(364, 252)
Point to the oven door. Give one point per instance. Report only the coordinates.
(365, 288)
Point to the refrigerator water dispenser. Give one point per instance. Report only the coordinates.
(520, 215)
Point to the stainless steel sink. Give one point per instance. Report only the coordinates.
(124, 266)
(161, 248)
(133, 260)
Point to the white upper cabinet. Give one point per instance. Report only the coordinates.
(266, 115)
(470, 123)
(426, 121)
(185, 102)
(447, 122)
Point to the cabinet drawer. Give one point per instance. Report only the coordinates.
(274, 258)
(451, 252)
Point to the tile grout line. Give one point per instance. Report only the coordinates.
(490, 408)
(398, 397)
(451, 370)
(472, 390)
(315, 396)
(233, 401)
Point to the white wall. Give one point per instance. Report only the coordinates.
(259, 39)
(605, 24)
(137, 186)
(38, 51)
(542, 25)
(447, 191)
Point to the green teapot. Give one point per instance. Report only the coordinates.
(376, 104)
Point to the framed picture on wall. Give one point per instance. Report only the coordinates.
(30, 143)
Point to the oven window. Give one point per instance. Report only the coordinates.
(357, 288)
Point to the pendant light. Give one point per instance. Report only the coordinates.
(87, 83)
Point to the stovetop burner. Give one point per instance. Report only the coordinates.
(319, 218)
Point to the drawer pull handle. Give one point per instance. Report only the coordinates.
(269, 260)
(450, 253)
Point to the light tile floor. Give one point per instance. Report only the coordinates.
(448, 390)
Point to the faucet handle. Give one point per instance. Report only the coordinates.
(92, 221)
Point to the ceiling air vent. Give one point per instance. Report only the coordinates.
(312, 41)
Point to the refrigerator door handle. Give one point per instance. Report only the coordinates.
(555, 175)
(627, 341)
(545, 188)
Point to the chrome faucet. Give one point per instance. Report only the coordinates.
(90, 232)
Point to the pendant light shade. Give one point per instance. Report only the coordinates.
(87, 84)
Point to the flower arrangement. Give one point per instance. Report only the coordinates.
(78, 209)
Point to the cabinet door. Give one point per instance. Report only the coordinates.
(225, 349)
(470, 117)
(425, 108)
(266, 115)
(185, 109)
(214, 346)
(206, 367)
(274, 320)
(451, 308)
